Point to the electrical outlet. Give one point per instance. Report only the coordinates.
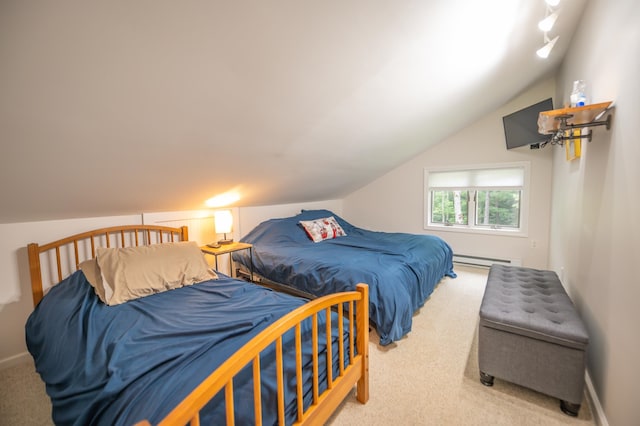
(534, 244)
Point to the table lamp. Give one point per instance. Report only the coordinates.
(223, 222)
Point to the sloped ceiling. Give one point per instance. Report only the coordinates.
(122, 107)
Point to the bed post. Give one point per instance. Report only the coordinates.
(184, 233)
(34, 270)
(362, 321)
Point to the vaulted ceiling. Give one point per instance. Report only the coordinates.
(123, 107)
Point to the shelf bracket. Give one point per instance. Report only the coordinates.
(565, 126)
(559, 137)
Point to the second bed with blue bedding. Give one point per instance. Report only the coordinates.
(401, 269)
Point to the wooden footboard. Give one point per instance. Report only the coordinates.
(324, 404)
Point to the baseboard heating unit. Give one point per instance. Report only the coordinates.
(484, 262)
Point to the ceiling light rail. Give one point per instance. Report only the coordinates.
(556, 122)
(546, 25)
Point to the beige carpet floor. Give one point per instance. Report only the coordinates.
(430, 377)
(23, 400)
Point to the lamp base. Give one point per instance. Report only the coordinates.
(225, 241)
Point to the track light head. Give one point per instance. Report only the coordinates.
(544, 51)
(547, 23)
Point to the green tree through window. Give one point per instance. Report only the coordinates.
(444, 209)
(498, 208)
(484, 198)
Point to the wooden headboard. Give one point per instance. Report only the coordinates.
(66, 254)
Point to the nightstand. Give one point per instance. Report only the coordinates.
(228, 249)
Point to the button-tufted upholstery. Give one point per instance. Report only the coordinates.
(531, 335)
(533, 303)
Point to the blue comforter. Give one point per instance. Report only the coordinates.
(116, 365)
(401, 269)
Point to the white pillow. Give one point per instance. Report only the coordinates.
(323, 229)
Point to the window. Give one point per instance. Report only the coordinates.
(488, 199)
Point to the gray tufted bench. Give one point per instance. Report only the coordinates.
(531, 335)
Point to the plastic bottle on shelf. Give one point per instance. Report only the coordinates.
(579, 93)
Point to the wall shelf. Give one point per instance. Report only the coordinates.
(561, 122)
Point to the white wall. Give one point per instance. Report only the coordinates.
(595, 236)
(15, 289)
(395, 201)
(250, 217)
(16, 302)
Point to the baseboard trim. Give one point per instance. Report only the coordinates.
(15, 360)
(594, 401)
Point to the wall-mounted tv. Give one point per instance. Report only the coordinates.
(521, 127)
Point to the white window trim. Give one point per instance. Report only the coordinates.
(523, 231)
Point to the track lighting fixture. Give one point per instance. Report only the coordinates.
(545, 26)
(545, 50)
(547, 23)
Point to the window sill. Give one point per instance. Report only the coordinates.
(500, 232)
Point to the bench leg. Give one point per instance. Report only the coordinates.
(570, 408)
(486, 379)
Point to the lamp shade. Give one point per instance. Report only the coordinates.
(223, 221)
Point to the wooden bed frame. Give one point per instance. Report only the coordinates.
(63, 256)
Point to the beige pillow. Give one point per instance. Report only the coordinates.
(92, 274)
(132, 272)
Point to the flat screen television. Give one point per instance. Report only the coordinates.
(521, 127)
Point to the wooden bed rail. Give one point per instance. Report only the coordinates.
(120, 236)
(324, 404)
